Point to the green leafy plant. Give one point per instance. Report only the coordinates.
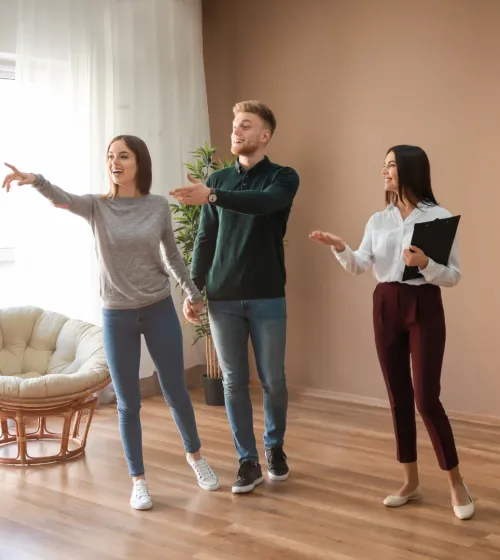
(187, 218)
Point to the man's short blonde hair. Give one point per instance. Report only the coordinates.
(257, 108)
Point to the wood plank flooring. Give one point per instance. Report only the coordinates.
(343, 464)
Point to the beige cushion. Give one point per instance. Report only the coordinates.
(44, 354)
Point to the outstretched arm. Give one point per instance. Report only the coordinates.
(277, 196)
(355, 262)
(81, 205)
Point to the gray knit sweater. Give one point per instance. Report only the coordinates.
(129, 234)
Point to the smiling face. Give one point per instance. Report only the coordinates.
(407, 176)
(250, 134)
(122, 163)
(390, 173)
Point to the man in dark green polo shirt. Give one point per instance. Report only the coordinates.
(239, 258)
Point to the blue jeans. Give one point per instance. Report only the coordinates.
(264, 320)
(122, 329)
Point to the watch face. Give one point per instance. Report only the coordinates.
(212, 197)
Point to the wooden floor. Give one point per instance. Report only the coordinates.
(342, 461)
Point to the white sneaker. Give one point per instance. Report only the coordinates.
(141, 498)
(205, 476)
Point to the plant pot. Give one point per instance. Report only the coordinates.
(214, 390)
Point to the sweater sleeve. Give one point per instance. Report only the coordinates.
(175, 263)
(277, 196)
(80, 205)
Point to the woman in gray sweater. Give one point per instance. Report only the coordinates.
(130, 226)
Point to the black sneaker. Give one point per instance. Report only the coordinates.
(277, 469)
(249, 476)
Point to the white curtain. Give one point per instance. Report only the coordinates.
(90, 70)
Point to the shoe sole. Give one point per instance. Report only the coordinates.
(249, 488)
(142, 507)
(278, 477)
(403, 503)
(209, 488)
(466, 513)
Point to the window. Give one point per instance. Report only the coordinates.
(8, 130)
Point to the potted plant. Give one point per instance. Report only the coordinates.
(187, 219)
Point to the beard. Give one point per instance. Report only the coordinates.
(248, 148)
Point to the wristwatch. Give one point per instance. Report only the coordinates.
(212, 197)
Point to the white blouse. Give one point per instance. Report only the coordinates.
(386, 236)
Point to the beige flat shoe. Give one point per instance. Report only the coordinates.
(465, 512)
(398, 501)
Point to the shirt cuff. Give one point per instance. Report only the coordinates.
(431, 271)
(195, 298)
(342, 257)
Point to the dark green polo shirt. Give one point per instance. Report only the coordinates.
(238, 254)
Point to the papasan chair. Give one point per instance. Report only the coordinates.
(51, 369)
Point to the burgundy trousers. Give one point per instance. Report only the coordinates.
(409, 321)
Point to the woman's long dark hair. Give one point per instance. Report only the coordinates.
(414, 172)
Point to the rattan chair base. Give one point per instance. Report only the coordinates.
(76, 414)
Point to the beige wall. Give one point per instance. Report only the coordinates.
(347, 79)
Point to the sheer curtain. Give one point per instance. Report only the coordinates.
(89, 70)
(60, 134)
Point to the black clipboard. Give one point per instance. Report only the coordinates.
(435, 238)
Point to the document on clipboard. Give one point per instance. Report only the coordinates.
(435, 239)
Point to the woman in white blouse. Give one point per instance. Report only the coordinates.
(408, 317)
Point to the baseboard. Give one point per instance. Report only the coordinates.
(343, 397)
(297, 391)
(150, 386)
(384, 403)
(194, 376)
